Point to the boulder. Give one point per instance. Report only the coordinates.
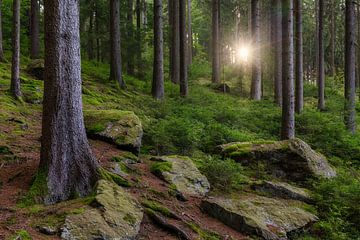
(221, 87)
(284, 190)
(291, 159)
(36, 68)
(115, 215)
(256, 215)
(182, 173)
(122, 128)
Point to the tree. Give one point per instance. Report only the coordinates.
(321, 67)
(1, 35)
(174, 21)
(276, 39)
(350, 65)
(90, 43)
(288, 111)
(183, 49)
(299, 78)
(256, 58)
(332, 38)
(138, 39)
(34, 30)
(66, 157)
(15, 64)
(115, 58)
(190, 33)
(215, 41)
(158, 71)
(130, 38)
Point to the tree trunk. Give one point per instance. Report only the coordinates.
(66, 157)
(91, 36)
(183, 49)
(256, 57)
(321, 67)
(276, 36)
(98, 54)
(332, 39)
(130, 40)
(215, 41)
(115, 58)
(1, 36)
(175, 42)
(350, 61)
(316, 39)
(138, 40)
(34, 30)
(288, 111)
(358, 44)
(190, 33)
(158, 74)
(15, 66)
(143, 12)
(299, 95)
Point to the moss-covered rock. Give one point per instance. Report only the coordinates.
(291, 159)
(36, 68)
(122, 128)
(266, 217)
(116, 215)
(181, 173)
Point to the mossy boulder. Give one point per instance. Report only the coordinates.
(256, 215)
(283, 190)
(292, 159)
(115, 215)
(122, 128)
(182, 174)
(36, 68)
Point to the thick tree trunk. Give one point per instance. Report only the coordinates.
(215, 41)
(15, 66)
(66, 157)
(34, 29)
(158, 71)
(350, 61)
(1, 35)
(175, 42)
(115, 58)
(183, 49)
(321, 66)
(288, 111)
(256, 57)
(130, 40)
(332, 39)
(358, 45)
(190, 33)
(276, 39)
(299, 95)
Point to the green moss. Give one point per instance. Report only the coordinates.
(159, 167)
(125, 156)
(204, 234)
(5, 150)
(38, 190)
(104, 174)
(130, 219)
(21, 234)
(157, 207)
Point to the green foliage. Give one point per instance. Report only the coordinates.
(21, 234)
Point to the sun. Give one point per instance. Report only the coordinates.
(244, 53)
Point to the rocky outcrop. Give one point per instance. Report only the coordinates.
(36, 69)
(115, 215)
(182, 173)
(283, 190)
(122, 128)
(291, 159)
(268, 218)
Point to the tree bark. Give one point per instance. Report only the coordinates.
(183, 49)
(91, 35)
(138, 40)
(321, 67)
(98, 54)
(190, 33)
(332, 39)
(130, 40)
(288, 111)
(276, 36)
(66, 157)
(256, 57)
(350, 62)
(299, 95)
(15, 66)
(175, 42)
(158, 74)
(215, 41)
(1, 35)
(115, 61)
(34, 30)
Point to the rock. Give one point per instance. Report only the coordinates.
(117, 169)
(116, 215)
(284, 190)
(122, 128)
(47, 230)
(291, 159)
(221, 87)
(36, 68)
(182, 173)
(266, 217)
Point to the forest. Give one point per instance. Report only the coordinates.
(179, 119)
